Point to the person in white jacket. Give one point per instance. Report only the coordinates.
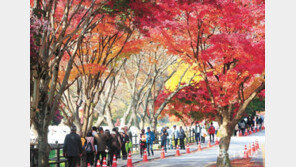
(204, 133)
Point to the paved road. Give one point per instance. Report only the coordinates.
(205, 157)
(136, 158)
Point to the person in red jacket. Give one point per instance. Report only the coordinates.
(212, 132)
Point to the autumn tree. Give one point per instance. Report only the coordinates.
(57, 30)
(98, 61)
(181, 78)
(141, 72)
(226, 42)
(187, 107)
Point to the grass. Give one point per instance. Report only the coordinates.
(53, 154)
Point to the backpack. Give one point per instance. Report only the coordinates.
(88, 147)
(211, 130)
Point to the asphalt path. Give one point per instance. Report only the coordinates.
(208, 156)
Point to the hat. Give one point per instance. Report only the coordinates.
(120, 131)
(174, 126)
(73, 128)
(148, 128)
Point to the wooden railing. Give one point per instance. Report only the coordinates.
(56, 161)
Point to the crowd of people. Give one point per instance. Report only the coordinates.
(248, 124)
(99, 143)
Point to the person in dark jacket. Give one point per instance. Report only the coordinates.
(72, 147)
(101, 141)
(109, 147)
(117, 142)
(250, 123)
(164, 135)
(197, 131)
(142, 142)
(124, 140)
(182, 137)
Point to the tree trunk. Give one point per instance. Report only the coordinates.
(142, 122)
(43, 148)
(109, 118)
(99, 121)
(225, 132)
(125, 115)
(154, 124)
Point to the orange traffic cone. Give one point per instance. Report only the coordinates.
(88, 165)
(114, 161)
(240, 133)
(187, 149)
(250, 131)
(246, 155)
(257, 128)
(254, 130)
(129, 160)
(199, 147)
(246, 133)
(98, 164)
(145, 159)
(217, 142)
(162, 156)
(209, 144)
(178, 151)
(104, 162)
(262, 127)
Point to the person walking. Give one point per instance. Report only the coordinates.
(242, 125)
(260, 121)
(94, 130)
(114, 148)
(90, 148)
(197, 131)
(128, 133)
(124, 141)
(110, 149)
(72, 149)
(250, 123)
(212, 132)
(83, 154)
(150, 137)
(203, 134)
(182, 137)
(128, 143)
(117, 142)
(142, 142)
(176, 135)
(101, 141)
(169, 138)
(236, 130)
(163, 136)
